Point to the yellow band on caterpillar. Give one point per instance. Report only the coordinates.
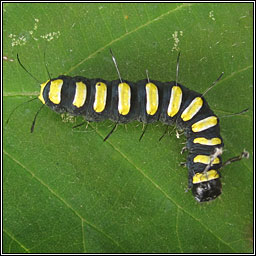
(205, 159)
(100, 97)
(41, 97)
(80, 94)
(124, 98)
(175, 101)
(192, 109)
(204, 124)
(55, 91)
(152, 98)
(207, 142)
(202, 177)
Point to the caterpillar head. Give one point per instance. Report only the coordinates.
(206, 185)
(207, 190)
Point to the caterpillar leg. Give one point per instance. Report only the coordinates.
(178, 134)
(183, 164)
(183, 150)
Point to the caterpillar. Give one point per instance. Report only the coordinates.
(148, 101)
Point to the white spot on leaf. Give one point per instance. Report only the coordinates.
(176, 39)
(19, 40)
(211, 15)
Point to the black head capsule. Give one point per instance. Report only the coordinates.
(206, 185)
(207, 191)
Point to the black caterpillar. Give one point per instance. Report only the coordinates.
(148, 101)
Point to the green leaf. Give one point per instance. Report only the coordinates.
(65, 190)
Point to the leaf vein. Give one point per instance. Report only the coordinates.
(83, 235)
(177, 230)
(16, 240)
(63, 200)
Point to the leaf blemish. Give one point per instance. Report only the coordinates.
(176, 40)
(23, 39)
(211, 15)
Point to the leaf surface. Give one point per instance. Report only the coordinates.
(65, 190)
